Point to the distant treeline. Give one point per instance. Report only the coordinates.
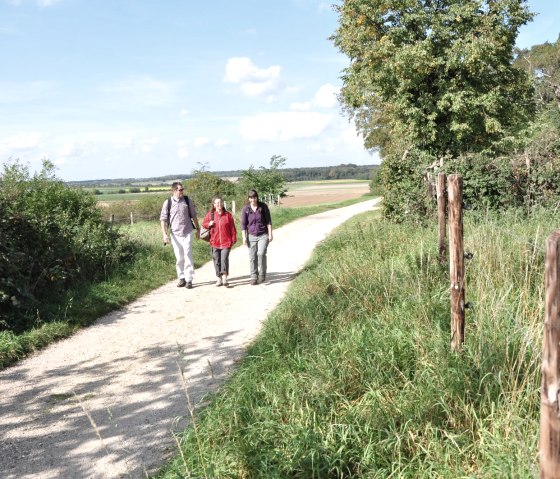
(340, 172)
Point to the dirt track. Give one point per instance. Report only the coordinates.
(104, 403)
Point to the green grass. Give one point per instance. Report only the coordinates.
(153, 267)
(352, 375)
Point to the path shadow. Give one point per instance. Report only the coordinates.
(59, 422)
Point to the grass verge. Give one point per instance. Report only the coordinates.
(153, 267)
(352, 375)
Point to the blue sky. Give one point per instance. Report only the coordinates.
(139, 88)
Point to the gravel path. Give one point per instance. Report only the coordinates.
(104, 403)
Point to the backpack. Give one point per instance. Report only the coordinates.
(186, 198)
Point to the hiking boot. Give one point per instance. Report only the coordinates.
(262, 279)
(253, 282)
(219, 282)
(224, 280)
(189, 285)
(181, 283)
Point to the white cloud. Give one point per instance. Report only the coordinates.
(182, 149)
(67, 149)
(122, 142)
(221, 143)
(146, 146)
(201, 141)
(283, 126)
(24, 140)
(303, 106)
(342, 137)
(254, 81)
(183, 112)
(326, 96)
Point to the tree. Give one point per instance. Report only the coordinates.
(203, 186)
(267, 181)
(434, 75)
(542, 62)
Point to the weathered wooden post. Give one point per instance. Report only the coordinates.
(233, 207)
(456, 261)
(442, 216)
(112, 218)
(131, 218)
(550, 384)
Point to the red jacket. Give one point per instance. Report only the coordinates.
(222, 233)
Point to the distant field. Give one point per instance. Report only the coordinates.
(112, 194)
(305, 193)
(300, 193)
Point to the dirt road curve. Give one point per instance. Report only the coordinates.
(104, 403)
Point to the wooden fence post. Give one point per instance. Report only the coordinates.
(233, 207)
(550, 384)
(442, 216)
(456, 261)
(112, 218)
(131, 218)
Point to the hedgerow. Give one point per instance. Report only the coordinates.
(52, 237)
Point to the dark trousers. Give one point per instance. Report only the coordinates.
(221, 260)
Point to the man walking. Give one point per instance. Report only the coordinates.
(178, 214)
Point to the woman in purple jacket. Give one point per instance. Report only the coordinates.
(256, 228)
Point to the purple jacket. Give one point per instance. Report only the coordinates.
(256, 222)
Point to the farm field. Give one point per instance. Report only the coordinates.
(301, 193)
(307, 193)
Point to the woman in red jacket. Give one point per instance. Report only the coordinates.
(223, 236)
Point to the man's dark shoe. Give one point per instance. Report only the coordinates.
(189, 285)
(262, 279)
(253, 282)
(181, 283)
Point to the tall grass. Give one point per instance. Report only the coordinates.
(352, 375)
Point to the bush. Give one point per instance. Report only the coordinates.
(51, 237)
(404, 187)
(203, 186)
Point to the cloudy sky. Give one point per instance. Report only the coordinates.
(139, 88)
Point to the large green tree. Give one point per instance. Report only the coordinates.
(434, 75)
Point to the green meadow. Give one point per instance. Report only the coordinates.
(352, 375)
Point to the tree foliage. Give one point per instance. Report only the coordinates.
(267, 181)
(432, 80)
(51, 237)
(203, 186)
(542, 62)
(436, 75)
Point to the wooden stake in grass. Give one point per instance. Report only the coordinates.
(550, 386)
(442, 215)
(456, 261)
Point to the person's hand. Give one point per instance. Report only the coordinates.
(210, 223)
(244, 241)
(270, 238)
(165, 239)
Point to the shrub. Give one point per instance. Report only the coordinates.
(51, 237)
